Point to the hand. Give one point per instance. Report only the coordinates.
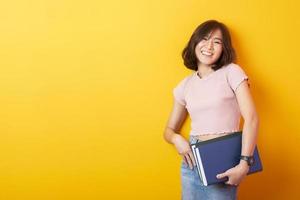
(183, 148)
(236, 174)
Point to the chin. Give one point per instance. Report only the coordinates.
(208, 63)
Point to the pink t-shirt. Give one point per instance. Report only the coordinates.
(211, 101)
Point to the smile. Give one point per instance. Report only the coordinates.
(206, 53)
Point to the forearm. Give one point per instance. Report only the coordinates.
(249, 136)
(170, 135)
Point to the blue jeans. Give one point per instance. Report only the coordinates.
(192, 187)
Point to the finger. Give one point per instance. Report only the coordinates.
(229, 183)
(192, 158)
(221, 175)
(189, 161)
(184, 160)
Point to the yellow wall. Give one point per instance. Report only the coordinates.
(86, 90)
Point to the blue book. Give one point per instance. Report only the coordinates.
(217, 155)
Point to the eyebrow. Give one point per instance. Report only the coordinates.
(216, 38)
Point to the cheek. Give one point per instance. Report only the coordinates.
(200, 45)
(218, 50)
(198, 50)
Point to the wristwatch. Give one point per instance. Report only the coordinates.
(248, 159)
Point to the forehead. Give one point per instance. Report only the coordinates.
(215, 34)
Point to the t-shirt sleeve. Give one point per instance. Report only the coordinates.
(178, 92)
(236, 75)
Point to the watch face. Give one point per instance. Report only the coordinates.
(248, 159)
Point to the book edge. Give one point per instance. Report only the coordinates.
(201, 168)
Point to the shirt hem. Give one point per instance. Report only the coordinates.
(214, 133)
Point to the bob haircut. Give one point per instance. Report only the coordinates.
(228, 54)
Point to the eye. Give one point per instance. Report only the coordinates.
(218, 41)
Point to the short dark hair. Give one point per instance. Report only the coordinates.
(228, 53)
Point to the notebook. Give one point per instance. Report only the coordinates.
(217, 155)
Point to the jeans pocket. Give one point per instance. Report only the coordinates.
(185, 167)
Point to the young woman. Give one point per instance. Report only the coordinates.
(215, 96)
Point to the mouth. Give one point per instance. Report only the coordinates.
(206, 53)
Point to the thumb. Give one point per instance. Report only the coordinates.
(222, 175)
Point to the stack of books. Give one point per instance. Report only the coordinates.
(217, 155)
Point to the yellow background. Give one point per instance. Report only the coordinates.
(86, 90)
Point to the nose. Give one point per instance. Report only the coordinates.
(209, 44)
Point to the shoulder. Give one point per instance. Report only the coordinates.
(234, 70)
(186, 79)
(235, 75)
(231, 67)
(180, 89)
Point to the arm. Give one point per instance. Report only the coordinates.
(175, 121)
(249, 136)
(251, 120)
(172, 135)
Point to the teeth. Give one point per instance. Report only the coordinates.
(206, 53)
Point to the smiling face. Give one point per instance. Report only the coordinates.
(209, 49)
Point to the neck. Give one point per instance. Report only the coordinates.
(204, 69)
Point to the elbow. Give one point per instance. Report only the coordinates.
(169, 134)
(256, 120)
(166, 134)
(253, 120)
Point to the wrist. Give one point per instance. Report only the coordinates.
(244, 164)
(248, 159)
